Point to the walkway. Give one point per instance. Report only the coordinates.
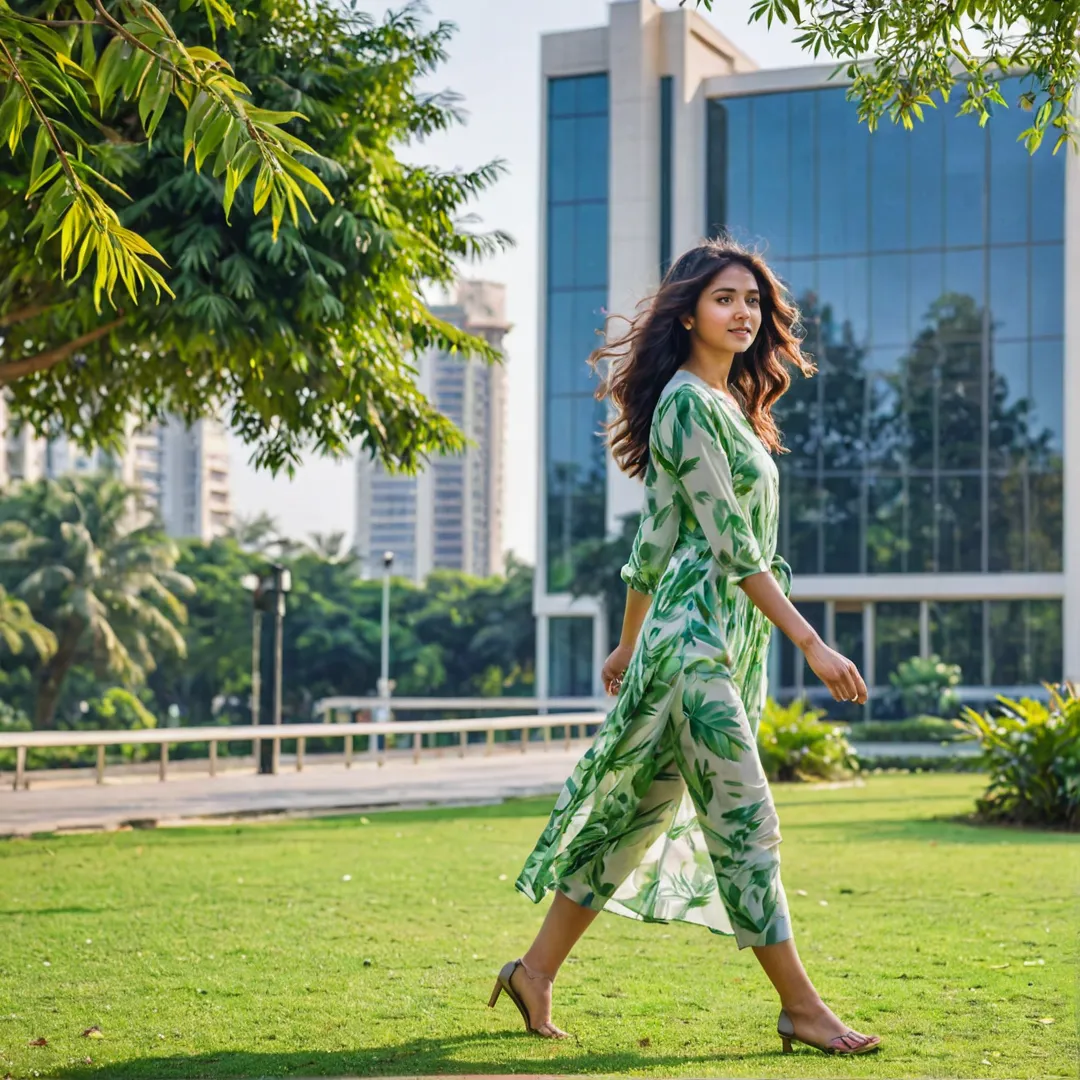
(68, 800)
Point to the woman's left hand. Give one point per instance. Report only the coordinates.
(611, 674)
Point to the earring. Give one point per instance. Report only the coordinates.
(688, 324)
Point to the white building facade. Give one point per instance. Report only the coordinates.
(931, 499)
(450, 514)
(183, 472)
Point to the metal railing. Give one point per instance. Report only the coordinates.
(21, 741)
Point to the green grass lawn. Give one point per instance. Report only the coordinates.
(369, 947)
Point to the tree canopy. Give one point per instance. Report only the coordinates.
(297, 329)
(899, 53)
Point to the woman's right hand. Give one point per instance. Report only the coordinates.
(611, 674)
(837, 672)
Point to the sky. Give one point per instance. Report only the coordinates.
(494, 64)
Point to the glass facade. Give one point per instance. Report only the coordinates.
(928, 267)
(576, 287)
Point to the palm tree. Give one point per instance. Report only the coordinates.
(18, 625)
(103, 583)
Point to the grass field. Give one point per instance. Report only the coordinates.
(369, 946)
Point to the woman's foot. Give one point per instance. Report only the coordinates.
(534, 990)
(817, 1025)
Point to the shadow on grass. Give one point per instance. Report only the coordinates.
(418, 1057)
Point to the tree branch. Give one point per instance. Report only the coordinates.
(19, 369)
(25, 314)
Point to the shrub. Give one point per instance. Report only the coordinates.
(1032, 752)
(925, 687)
(796, 743)
(915, 729)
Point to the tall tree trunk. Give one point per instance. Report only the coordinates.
(50, 679)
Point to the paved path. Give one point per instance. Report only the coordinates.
(52, 806)
(69, 800)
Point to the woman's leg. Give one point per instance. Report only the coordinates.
(563, 926)
(811, 1018)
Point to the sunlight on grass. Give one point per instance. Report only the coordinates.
(368, 946)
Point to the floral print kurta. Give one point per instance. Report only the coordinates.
(668, 814)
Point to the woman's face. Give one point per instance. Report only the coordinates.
(728, 313)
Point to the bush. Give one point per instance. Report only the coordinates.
(795, 743)
(1032, 753)
(926, 687)
(915, 729)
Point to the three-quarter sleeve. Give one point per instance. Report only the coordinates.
(694, 450)
(657, 533)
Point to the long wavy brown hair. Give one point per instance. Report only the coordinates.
(643, 359)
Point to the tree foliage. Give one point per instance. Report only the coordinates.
(66, 63)
(898, 54)
(298, 335)
(107, 589)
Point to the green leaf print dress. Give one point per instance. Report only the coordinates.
(668, 814)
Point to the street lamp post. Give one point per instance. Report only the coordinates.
(385, 686)
(270, 599)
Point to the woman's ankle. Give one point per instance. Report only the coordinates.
(537, 971)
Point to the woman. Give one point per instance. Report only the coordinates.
(668, 815)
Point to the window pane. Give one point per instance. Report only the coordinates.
(889, 299)
(737, 142)
(561, 136)
(1009, 167)
(1006, 521)
(1045, 543)
(886, 429)
(562, 96)
(889, 146)
(800, 507)
(1047, 290)
(842, 532)
(771, 177)
(845, 298)
(920, 529)
(591, 157)
(1008, 292)
(885, 525)
(959, 524)
(926, 290)
(561, 348)
(591, 245)
(1046, 655)
(1047, 399)
(920, 404)
(560, 246)
(1008, 643)
(592, 93)
(843, 405)
(842, 176)
(1008, 403)
(964, 277)
(896, 637)
(570, 657)
(804, 196)
(965, 181)
(956, 636)
(960, 407)
(928, 180)
(1047, 193)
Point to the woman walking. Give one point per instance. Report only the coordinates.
(668, 815)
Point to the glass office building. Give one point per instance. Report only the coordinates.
(924, 495)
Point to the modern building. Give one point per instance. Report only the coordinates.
(182, 471)
(449, 515)
(931, 498)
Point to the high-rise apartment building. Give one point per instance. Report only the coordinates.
(931, 499)
(183, 472)
(450, 515)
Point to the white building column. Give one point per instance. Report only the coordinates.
(1071, 413)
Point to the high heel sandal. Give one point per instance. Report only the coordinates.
(839, 1045)
(502, 983)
